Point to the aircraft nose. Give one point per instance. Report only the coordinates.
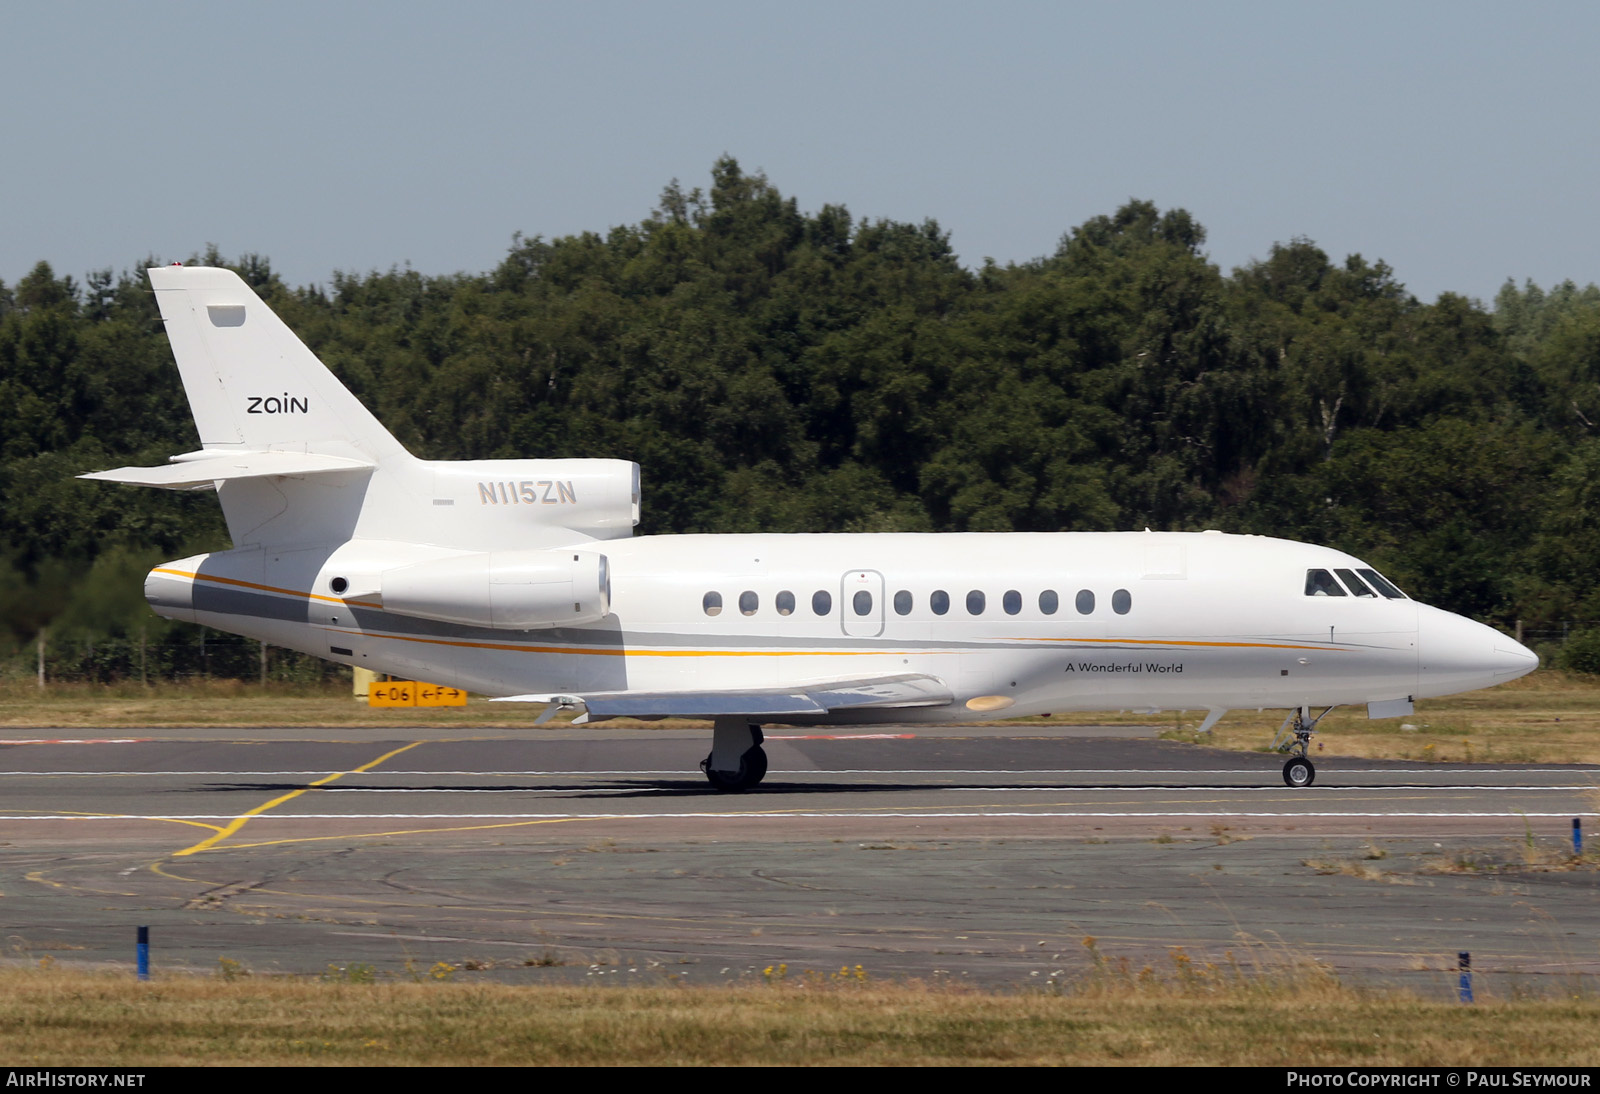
(1512, 658)
(1457, 654)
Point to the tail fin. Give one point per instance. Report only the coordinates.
(252, 384)
(298, 461)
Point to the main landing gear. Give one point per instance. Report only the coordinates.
(737, 761)
(1294, 737)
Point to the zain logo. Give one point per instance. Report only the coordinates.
(278, 404)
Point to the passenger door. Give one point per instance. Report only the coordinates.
(861, 604)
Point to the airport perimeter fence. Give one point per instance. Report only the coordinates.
(1573, 645)
(207, 656)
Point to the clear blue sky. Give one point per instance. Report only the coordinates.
(1456, 141)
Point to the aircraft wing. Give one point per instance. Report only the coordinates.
(815, 699)
(200, 471)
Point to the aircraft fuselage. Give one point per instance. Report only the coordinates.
(1013, 622)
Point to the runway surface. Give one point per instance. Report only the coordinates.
(986, 855)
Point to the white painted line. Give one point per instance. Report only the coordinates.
(322, 772)
(839, 736)
(488, 790)
(74, 741)
(266, 818)
(1255, 789)
(1176, 772)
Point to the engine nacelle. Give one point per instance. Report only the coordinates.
(510, 590)
(509, 501)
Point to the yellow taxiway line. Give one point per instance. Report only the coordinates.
(244, 818)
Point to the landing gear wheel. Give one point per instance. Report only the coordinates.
(752, 769)
(1299, 772)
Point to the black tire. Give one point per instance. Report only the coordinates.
(756, 758)
(752, 769)
(1299, 772)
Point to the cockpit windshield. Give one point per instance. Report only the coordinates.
(1355, 584)
(1360, 583)
(1381, 585)
(1321, 583)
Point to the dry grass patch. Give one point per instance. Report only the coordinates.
(233, 703)
(1545, 717)
(1189, 1015)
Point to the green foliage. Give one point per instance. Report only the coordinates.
(1581, 653)
(778, 370)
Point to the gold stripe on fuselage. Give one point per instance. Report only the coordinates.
(605, 651)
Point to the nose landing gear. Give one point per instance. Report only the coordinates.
(1294, 737)
(1299, 772)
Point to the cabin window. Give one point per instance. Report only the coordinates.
(902, 603)
(748, 603)
(1049, 602)
(939, 602)
(1121, 601)
(821, 602)
(1085, 602)
(712, 603)
(976, 602)
(862, 602)
(1355, 584)
(1321, 583)
(1382, 585)
(1012, 602)
(784, 603)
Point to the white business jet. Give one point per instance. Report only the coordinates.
(522, 579)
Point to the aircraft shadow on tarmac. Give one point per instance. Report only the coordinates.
(602, 789)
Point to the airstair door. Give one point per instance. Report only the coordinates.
(861, 603)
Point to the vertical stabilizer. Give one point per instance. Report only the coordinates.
(298, 462)
(252, 384)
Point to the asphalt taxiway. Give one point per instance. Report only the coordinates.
(980, 854)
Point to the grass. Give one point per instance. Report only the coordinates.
(1546, 717)
(1190, 1014)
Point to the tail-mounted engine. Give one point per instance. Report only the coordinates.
(510, 590)
(516, 503)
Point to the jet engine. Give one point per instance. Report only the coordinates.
(509, 590)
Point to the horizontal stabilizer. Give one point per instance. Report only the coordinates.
(823, 697)
(201, 473)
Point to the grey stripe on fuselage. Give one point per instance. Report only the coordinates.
(225, 600)
(228, 600)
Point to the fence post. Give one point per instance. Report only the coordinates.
(263, 664)
(41, 658)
